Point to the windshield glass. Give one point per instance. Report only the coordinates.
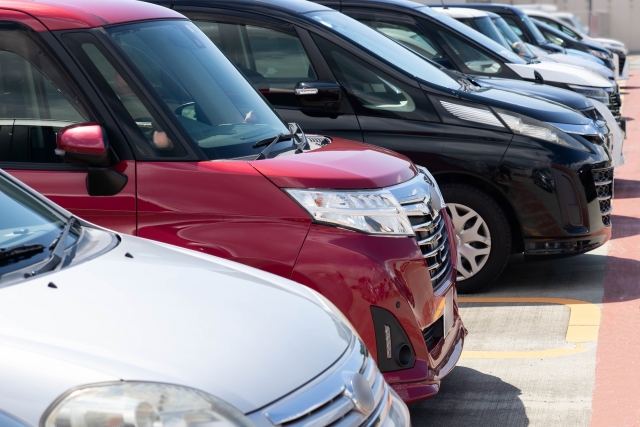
(472, 34)
(515, 42)
(27, 228)
(383, 47)
(215, 104)
(532, 28)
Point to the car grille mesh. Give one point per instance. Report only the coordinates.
(326, 401)
(603, 179)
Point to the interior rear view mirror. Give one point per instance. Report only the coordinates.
(84, 143)
(319, 94)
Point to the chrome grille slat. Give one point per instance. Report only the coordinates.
(328, 400)
(428, 224)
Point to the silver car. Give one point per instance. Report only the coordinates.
(99, 329)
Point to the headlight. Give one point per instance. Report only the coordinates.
(140, 404)
(596, 93)
(523, 125)
(600, 54)
(371, 212)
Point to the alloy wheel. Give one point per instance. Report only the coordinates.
(473, 240)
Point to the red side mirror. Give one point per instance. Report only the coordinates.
(84, 143)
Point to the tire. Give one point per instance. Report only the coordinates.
(485, 241)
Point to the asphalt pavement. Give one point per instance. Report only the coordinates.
(543, 349)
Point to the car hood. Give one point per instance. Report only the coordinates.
(537, 108)
(582, 62)
(164, 314)
(341, 164)
(562, 96)
(561, 73)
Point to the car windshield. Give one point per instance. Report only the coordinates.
(216, 105)
(384, 48)
(515, 42)
(27, 228)
(532, 28)
(472, 34)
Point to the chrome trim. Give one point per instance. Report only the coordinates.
(329, 399)
(453, 360)
(436, 250)
(437, 234)
(43, 123)
(588, 129)
(602, 198)
(472, 114)
(605, 182)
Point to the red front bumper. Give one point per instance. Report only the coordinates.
(356, 271)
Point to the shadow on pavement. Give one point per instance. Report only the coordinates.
(626, 189)
(471, 398)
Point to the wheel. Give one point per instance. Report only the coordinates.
(483, 236)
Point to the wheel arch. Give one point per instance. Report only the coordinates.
(517, 235)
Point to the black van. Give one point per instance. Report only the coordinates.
(519, 173)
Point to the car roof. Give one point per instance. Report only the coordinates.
(75, 14)
(298, 6)
(485, 6)
(459, 12)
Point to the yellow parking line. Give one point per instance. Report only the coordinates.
(584, 323)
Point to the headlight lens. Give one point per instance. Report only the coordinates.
(523, 125)
(139, 404)
(371, 212)
(600, 54)
(596, 93)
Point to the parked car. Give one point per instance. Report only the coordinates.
(158, 134)
(565, 41)
(352, 80)
(572, 20)
(493, 26)
(104, 329)
(615, 46)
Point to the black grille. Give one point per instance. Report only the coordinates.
(591, 113)
(433, 241)
(603, 179)
(433, 333)
(621, 61)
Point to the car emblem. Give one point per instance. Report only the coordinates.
(361, 394)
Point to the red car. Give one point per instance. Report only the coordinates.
(126, 114)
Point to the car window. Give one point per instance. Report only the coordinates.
(553, 38)
(372, 92)
(32, 111)
(549, 22)
(473, 59)
(514, 27)
(407, 34)
(273, 61)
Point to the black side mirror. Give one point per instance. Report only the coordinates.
(319, 95)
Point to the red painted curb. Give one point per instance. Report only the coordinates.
(616, 398)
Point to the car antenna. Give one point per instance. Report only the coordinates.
(443, 5)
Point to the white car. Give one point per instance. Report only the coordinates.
(99, 329)
(616, 47)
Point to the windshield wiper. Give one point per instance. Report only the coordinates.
(270, 143)
(57, 247)
(20, 251)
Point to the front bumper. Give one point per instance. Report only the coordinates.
(357, 272)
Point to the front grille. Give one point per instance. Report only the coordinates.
(603, 179)
(622, 59)
(428, 224)
(433, 333)
(591, 113)
(328, 400)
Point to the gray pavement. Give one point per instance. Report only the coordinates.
(507, 391)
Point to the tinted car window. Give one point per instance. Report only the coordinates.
(372, 92)
(515, 42)
(32, 110)
(273, 61)
(473, 59)
(383, 47)
(25, 221)
(408, 35)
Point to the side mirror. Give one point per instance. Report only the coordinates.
(84, 143)
(87, 144)
(319, 95)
